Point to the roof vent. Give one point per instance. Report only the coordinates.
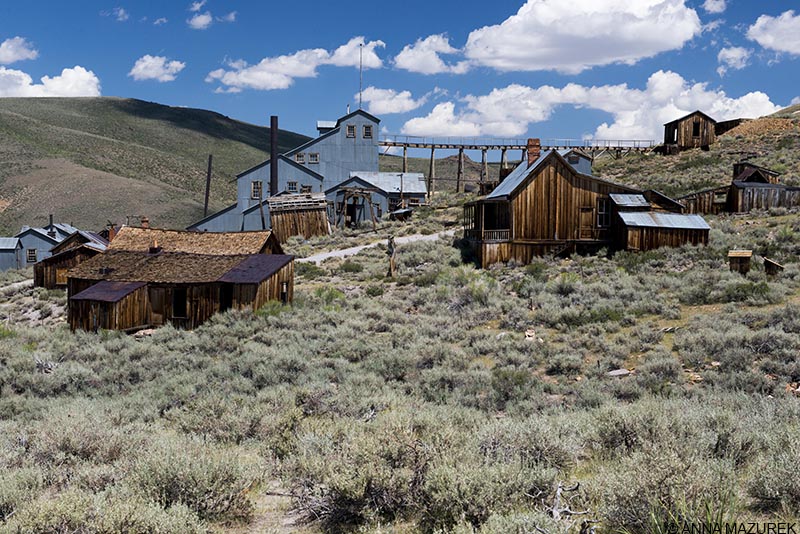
(154, 248)
(105, 270)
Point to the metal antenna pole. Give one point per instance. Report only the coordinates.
(360, 72)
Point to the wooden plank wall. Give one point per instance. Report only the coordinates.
(702, 202)
(129, 312)
(762, 198)
(45, 272)
(306, 222)
(549, 207)
(641, 238)
(687, 140)
(270, 289)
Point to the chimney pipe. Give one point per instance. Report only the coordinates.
(534, 150)
(208, 185)
(273, 155)
(145, 222)
(51, 230)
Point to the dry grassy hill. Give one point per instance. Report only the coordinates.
(88, 160)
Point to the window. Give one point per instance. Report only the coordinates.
(367, 131)
(313, 157)
(291, 187)
(31, 255)
(351, 130)
(394, 203)
(179, 302)
(603, 215)
(305, 188)
(300, 157)
(572, 159)
(695, 129)
(412, 202)
(255, 190)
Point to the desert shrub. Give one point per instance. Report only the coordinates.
(374, 291)
(564, 364)
(211, 481)
(774, 484)
(221, 418)
(518, 522)
(16, 487)
(309, 270)
(350, 266)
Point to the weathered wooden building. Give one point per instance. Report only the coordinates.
(385, 192)
(51, 272)
(124, 290)
(303, 215)
(546, 206)
(141, 239)
(695, 130)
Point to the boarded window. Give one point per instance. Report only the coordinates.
(31, 255)
(179, 302)
(255, 190)
(351, 130)
(291, 187)
(695, 129)
(313, 157)
(413, 201)
(61, 277)
(603, 215)
(367, 131)
(305, 188)
(300, 157)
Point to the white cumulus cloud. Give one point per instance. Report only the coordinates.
(159, 21)
(200, 21)
(158, 68)
(279, 72)
(120, 14)
(636, 113)
(387, 101)
(574, 36)
(732, 58)
(424, 56)
(714, 6)
(197, 6)
(230, 17)
(781, 34)
(76, 81)
(16, 49)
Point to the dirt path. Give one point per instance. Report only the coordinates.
(352, 251)
(16, 286)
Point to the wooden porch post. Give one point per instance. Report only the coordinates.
(432, 174)
(405, 158)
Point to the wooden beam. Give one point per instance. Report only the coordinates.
(432, 173)
(405, 158)
(460, 173)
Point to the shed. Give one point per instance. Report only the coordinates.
(740, 260)
(302, 214)
(744, 171)
(151, 289)
(695, 130)
(652, 229)
(387, 192)
(51, 272)
(11, 253)
(772, 267)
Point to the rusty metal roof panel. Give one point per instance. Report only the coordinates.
(624, 200)
(108, 291)
(255, 269)
(651, 219)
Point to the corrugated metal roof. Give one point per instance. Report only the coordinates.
(9, 243)
(653, 219)
(625, 200)
(389, 182)
(107, 291)
(254, 269)
(326, 124)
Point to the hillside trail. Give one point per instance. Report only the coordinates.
(352, 251)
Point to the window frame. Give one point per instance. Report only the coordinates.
(366, 129)
(300, 157)
(695, 128)
(256, 186)
(291, 187)
(603, 213)
(350, 131)
(305, 189)
(313, 158)
(28, 255)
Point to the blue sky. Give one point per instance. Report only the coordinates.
(610, 69)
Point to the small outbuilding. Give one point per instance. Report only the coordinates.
(124, 290)
(11, 253)
(695, 130)
(303, 215)
(51, 272)
(740, 260)
(380, 193)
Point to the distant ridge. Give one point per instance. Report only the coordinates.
(88, 160)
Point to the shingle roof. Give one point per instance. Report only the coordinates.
(137, 239)
(107, 291)
(254, 269)
(651, 219)
(176, 268)
(390, 182)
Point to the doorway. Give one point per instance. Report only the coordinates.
(225, 297)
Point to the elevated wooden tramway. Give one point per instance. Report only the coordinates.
(593, 148)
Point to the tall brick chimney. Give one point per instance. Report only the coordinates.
(534, 149)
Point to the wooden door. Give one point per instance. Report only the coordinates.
(587, 223)
(157, 306)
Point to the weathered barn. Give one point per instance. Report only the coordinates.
(123, 290)
(139, 239)
(546, 206)
(695, 130)
(51, 272)
(298, 215)
(348, 144)
(11, 254)
(386, 192)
